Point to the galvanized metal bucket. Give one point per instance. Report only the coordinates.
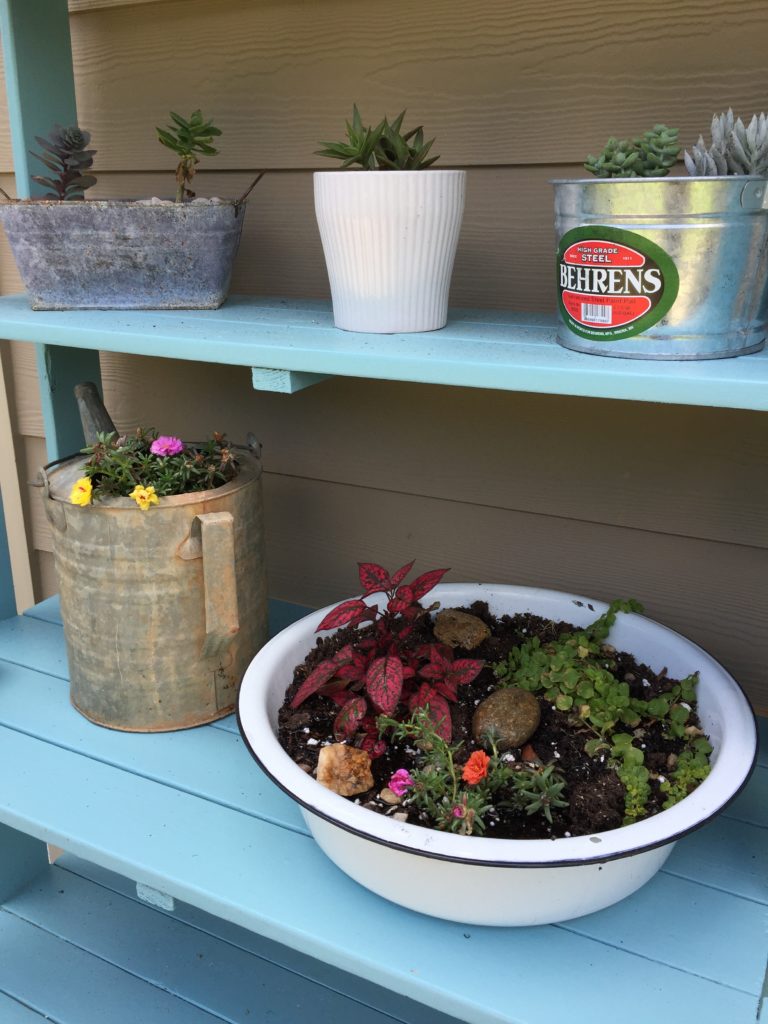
(124, 254)
(662, 268)
(163, 610)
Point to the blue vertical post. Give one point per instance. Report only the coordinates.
(22, 858)
(37, 51)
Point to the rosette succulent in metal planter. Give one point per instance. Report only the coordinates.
(656, 267)
(123, 254)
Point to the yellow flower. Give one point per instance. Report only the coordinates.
(144, 496)
(82, 492)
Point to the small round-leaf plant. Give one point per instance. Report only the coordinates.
(186, 138)
(146, 466)
(67, 157)
(576, 674)
(382, 148)
(380, 671)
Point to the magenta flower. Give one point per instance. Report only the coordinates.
(166, 446)
(401, 782)
(458, 811)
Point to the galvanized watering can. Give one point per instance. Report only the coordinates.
(163, 610)
(663, 268)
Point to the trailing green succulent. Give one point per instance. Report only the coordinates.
(66, 155)
(459, 793)
(648, 156)
(383, 148)
(734, 149)
(575, 674)
(692, 767)
(187, 138)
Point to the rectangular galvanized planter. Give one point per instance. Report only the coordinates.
(124, 254)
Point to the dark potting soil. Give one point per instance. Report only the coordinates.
(594, 792)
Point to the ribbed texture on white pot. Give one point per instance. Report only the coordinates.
(389, 239)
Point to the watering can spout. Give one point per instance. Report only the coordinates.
(93, 414)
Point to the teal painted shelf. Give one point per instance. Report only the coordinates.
(257, 924)
(285, 341)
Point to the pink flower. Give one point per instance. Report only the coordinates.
(166, 446)
(401, 782)
(458, 811)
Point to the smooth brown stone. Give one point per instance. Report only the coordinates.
(511, 714)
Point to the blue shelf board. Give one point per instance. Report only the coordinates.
(189, 814)
(482, 349)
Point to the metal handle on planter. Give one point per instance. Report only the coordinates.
(54, 510)
(212, 537)
(754, 195)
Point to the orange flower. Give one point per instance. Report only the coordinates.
(476, 767)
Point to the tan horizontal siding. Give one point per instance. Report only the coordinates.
(715, 594)
(505, 250)
(648, 467)
(496, 82)
(607, 498)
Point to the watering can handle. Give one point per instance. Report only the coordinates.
(217, 541)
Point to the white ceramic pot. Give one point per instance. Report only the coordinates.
(389, 239)
(478, 880)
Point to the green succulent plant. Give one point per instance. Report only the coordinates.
(187, 138)
(65, 153)
(650, 155)
(383, 148)
(735, 149)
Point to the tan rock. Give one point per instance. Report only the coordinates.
(460, 629)
(345, 770)
(389, 797)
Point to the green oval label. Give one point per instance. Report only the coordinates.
(613, 283)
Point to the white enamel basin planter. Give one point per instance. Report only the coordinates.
(486, 881)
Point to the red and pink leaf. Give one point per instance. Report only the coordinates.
(447, 689)
(384, 682)
(371, 742)
(402, 599)
(347, 722)
(465, 670)
(345, 614)
(424, 583)
(350, 663)
(373, 578)
(431, 671)
(351, 672)
(413, 611)
(339, 697)
(437, 707)
(422, 696)
(440, 714)
(370, 613)
(318, 677)
(400, 575)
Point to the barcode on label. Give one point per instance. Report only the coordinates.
(596, 314)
